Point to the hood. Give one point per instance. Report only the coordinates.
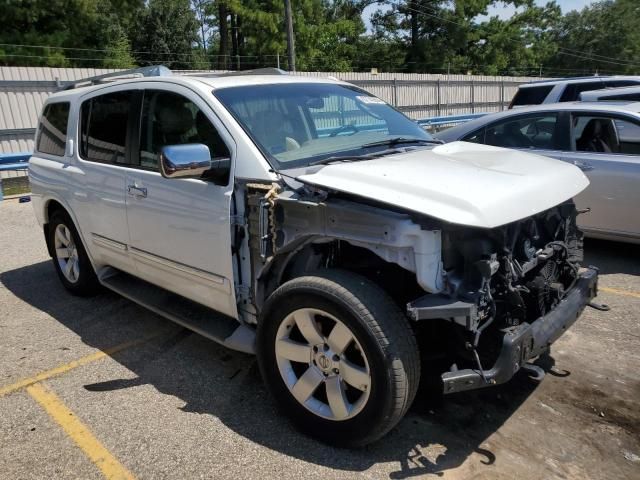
(463, 183)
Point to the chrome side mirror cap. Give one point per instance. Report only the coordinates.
(184, 161)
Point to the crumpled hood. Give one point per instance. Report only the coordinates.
(463, 183)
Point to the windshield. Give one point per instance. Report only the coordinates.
(299, 124)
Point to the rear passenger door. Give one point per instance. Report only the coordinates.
(179, 228)
(607, 148)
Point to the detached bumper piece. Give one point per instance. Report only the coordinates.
(527, 341)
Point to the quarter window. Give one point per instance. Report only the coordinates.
(52, 136)
(530, 96)
(531, 131)
(103, 127)
(573, 90)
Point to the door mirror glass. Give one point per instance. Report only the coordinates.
(188, 160)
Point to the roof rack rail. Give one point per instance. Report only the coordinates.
(152, 71)
(256, 71)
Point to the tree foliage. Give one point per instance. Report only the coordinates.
(405, 35)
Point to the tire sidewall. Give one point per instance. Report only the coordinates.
(87, 281)
(379, 404)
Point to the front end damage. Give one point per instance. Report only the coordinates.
(513, 290)
(490, 298)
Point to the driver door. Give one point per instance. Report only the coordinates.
(179, 229)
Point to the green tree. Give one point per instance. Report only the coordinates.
(603, 37)
(166, 33)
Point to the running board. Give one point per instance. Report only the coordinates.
(202, 320)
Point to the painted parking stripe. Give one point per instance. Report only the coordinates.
(110, 467)
(59, 370)
(626, 293)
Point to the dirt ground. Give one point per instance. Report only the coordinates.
(78, 400)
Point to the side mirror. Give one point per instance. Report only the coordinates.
(184, 161)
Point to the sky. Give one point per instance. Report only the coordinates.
(502, 11)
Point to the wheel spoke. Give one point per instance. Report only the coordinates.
(67, 235)
(294, 351)
(336, 396)
(61, 237)
(67, 268)
(75, 269)
(307, 384)
(62, 253)
(339, 338)
(307, 325)
(354, 375)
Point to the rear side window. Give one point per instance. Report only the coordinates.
(104, 123)
(52, 136)
(621, 83)
(531, 96)
(572, 91)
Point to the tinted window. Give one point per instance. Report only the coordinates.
(630, 97)
(52, 136)
(475, 137)
(531, 131)
(531, 95)
(104, 126)
(621, 83)
(171, 119)
(603, 134)
(572, 91)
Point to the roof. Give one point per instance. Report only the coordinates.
(567, 81)
(599, 107)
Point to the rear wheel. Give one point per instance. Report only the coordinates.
(70, 258)
(339, 357)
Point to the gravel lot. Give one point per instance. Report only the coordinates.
(179, 406)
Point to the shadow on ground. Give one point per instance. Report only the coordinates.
(612, 257)
(215, 381)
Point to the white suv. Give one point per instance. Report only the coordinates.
(306, 221)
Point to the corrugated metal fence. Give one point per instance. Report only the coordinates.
(24, 89)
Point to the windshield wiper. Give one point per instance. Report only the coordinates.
(344, 158)
(400, 140)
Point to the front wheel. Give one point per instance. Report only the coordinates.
(338, 356)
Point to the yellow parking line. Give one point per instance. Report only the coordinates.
(79, 433)
(619, 292)
(54, 372)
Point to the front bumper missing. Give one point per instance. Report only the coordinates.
(527, 341)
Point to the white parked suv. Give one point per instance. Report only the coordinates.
(307, 221)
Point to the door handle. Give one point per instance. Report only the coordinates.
(136, 191)
(584, 166)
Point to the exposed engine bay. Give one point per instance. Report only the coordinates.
(517, 272)
(470, 291)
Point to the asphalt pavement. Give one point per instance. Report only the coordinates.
(102, 388)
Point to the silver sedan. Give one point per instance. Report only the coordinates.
(602, 139)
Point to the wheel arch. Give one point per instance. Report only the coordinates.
(320, 252)
(52, 205)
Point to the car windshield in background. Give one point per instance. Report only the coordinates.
(299, 124)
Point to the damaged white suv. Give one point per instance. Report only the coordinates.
(309, 222)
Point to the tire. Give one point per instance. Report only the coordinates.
(62, 235)
(382, 346)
